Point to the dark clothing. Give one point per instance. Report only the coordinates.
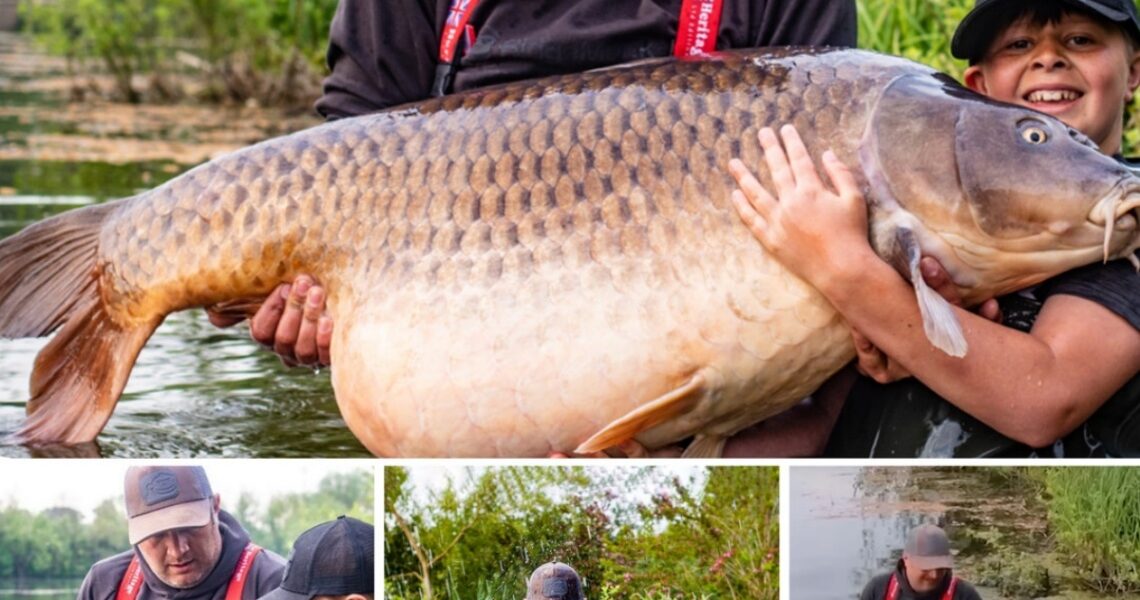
(906, 419)
(876, 589)
(102, 581)
(385, 52)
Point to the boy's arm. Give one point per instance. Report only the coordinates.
(1031, 387)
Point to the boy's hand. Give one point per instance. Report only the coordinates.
(810, 229)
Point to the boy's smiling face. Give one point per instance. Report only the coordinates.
(1077, 69)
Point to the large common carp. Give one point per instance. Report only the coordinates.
(555, 265)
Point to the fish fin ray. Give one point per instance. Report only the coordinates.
(47, 270)
(938, 319)
(667, 406)
(705, 446)
(79, 375)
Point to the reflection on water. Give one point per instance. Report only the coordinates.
(195, 390)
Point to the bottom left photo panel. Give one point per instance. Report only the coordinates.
(214, 530)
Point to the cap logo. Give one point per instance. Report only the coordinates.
(554, 588)
(158, 486)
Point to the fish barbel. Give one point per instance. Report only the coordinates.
(555, 265)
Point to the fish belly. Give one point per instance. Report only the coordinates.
(526, 366)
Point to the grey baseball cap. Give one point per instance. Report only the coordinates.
(160, 498)
(977, 30)
(554, 580)
(927, 547)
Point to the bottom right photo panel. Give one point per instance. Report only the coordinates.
(1003, 533)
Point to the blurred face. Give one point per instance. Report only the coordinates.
(182, 558)
(1077, 70)
(923, 580)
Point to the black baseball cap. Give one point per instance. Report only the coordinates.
(927, 547)
(976, 31)
(332, 559)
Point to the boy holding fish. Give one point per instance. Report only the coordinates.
(1047, 388)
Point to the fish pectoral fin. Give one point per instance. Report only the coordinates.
(667, 406)
(938, 319)
(705, 446)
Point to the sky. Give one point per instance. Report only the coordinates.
(83, 484)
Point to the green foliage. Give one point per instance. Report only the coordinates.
(58, 543)
(268, 50)
(630, 533)
(1094, 514)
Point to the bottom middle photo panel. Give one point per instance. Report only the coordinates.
(581, 532)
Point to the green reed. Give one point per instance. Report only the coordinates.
(1094, 515)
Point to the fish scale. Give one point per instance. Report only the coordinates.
(541, 266)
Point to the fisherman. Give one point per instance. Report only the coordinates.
(387, 53)
(925, 572)
(184, 545)
(554, 581)
(1043, 385)
(332, 561)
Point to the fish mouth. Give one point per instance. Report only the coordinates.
(1119, 211)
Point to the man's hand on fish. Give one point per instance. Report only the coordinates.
(292, 322)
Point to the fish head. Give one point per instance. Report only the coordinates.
(1003, 196)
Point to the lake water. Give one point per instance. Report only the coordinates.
(61, 589)
(195, 390)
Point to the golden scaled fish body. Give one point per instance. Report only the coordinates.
(542, 266)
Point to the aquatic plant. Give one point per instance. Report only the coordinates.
(1094, 514)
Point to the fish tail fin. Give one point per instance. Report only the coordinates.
(47, 270)
(79, 376)
(48, 281)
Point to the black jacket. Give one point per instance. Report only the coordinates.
(876, 589)
(385, 52)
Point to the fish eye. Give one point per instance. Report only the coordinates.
(1034, 135)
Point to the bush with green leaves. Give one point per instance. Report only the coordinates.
(268, 50)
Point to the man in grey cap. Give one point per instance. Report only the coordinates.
(923, 573)
(554, 581)
(184, 546)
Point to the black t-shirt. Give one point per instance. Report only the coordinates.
(385, 52)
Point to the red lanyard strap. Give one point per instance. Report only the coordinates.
(698, 27)
(893, 588)
(457, 19)
(131, 585)
(237, 581)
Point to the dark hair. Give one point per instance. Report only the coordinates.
(1043, 12)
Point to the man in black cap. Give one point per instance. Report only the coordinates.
(332, 561)
(923, 572)
(554, 581)
(184, 545)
